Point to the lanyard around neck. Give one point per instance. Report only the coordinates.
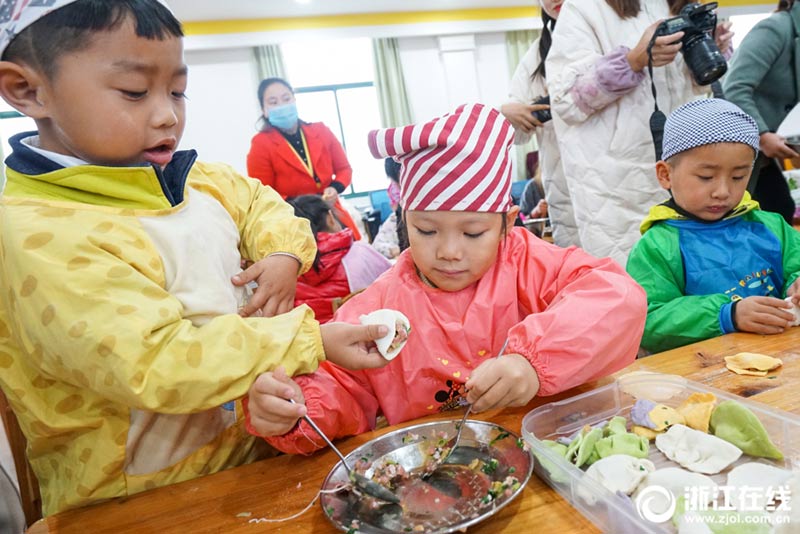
(307, 163)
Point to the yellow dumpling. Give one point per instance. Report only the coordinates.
(750, 363)
(645, 432)
(664, 417)
(696, 410)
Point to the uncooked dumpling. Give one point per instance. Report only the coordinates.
(399, 327)
(736, 423)
(750, 482)
(697, 451)
(675, 480)
(618, 472)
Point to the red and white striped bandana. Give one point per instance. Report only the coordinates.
(457, 162)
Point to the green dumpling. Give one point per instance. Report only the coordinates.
(736, 424)
(629, 444)
(616, 425)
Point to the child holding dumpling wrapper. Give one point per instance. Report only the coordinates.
(468, 282)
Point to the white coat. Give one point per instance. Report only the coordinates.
(607, 154)
(524, 90)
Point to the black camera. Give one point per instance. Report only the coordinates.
(701, 53)
(542, 115)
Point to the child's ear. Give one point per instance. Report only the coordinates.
(511, 216)
(20, 86)
(663, 173)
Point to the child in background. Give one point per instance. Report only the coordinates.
(468, 282)
(342, 266)
(121, 350)
(710, 260)
(387, 240)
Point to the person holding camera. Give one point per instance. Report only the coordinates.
(528, 112)
(763, 80)
(602, 99)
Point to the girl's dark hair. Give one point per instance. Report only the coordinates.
(392, 169)
(70, 28)
(402, 228)
(316, 210)
(263, 124)
(545, 40)
(785, 5)
(313, 208)
(626, 9)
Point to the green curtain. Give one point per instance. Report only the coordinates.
(517, 43)
(390, 84)
(269, 61)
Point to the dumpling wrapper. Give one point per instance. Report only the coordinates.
(675, 480)
(398, 325)
(619, 472)
(795, 311)
(751, 363)
(736, 424)
(697, 451)
(696, 409)
(755, 476)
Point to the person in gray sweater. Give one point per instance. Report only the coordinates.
(764, 80)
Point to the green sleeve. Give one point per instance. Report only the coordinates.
(790, 245)
(673, 319)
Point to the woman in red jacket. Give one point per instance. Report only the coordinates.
(296, 157)
(341, 267)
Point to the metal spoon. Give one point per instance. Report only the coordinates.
(453, 442)
(370, 487)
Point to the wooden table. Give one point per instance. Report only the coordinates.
(282, 486)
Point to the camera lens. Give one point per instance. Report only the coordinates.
(704, 59)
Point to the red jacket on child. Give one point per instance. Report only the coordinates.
(344, 266)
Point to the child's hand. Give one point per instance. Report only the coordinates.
(350, 346)
(276, 277)
(271, 414)
(763, 315)
(508, 380)
(794, 292)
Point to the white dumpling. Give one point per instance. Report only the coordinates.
(749, 483)
(399, 327)
(697, 451)
(676, 481)
(618, 473)
(786, 520)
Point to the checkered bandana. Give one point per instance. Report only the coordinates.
(458, 162)
(705, 122)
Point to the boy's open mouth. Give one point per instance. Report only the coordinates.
(160, 154)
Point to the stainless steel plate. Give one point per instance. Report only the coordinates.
(453, 498)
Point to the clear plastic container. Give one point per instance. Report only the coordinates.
(613, 513)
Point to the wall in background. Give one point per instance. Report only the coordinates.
(222, 107)
(441, 73)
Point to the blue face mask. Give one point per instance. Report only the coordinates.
(283, 117)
